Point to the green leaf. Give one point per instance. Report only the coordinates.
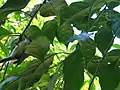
(3, 17)
(52, 8)
(10, 6)
(3, 32)
(1, 2)
(55, 77)
(82, 23)
(109, 77)
(114, 57)
(116, 46)
(35, 71)
(113, 4)
(88, 49)
(31, 74)
(33, 32)
(52, 82)
(74, 11)
(44, 80)
(64, 33)
(78, 13)
(103, 19)
(7, 80)
(115, 52)
(73, 71)
(38, 47)
(49, 29)
(99, 3)
(116, 23)
(12, 86)
(4, 49)
(92, 65)
(103, 38)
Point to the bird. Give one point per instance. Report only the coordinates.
(81, 37)
(18, 54)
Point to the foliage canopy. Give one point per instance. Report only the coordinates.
(72, 47)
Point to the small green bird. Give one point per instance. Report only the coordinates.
(18, 54)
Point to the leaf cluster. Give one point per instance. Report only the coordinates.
(62, 59)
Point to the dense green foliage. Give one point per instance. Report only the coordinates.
(71, 47)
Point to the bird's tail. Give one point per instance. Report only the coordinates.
(6, 59)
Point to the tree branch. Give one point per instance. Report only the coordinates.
(99, 65)
(55, 54)
(37, 9)
(5, 71)
(98, 17)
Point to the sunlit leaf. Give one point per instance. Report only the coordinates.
(3, 32)
(4, 48)
(116, 46)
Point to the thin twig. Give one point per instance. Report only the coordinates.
(39, 6)
(14, 34)
(5, 70)
(56, 54)
(90, 12)
(99, 65)
(92, 26)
